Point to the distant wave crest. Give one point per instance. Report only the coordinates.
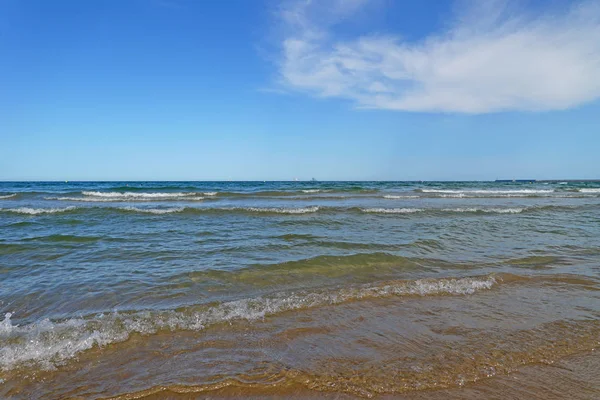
(274, 210)
(155, 195)
(392, 210)
(36, 211)
(153, 210)
(397, 197)
(490, 191)
(123, 199)
(485, 210)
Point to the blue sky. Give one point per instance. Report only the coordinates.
(276, 90)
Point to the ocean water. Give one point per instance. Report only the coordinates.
(299, 289)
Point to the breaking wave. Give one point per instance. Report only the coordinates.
(275, 210)
(514, 210)
(265, 210)
(514, 191)
(392, 210)
(124, 199)
(140, 195)
(392, 196)
(36, 211)
(153, 210)
(292, 210)
(48, 344)
(485, 210)
(8, 196)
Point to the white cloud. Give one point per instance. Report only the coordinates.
(485, 62)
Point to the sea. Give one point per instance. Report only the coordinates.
(411, 290)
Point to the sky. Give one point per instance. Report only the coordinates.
(278, 90)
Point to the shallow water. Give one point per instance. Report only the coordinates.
(306, 289)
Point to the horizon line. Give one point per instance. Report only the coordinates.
(308, 181)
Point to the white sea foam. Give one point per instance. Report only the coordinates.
(311, 191)
(153, 210)
(590, 190)
(210, 193)
(123, 199)
(136, 195)
(397, 197)
(206, 209)
(47, 344)
(490, 192)
(8, 196)
(36, 211)
(486, 210)
(392, 210)
(454, 195)
(276, 210)
(466, 210)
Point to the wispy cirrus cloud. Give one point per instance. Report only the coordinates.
(488, 60)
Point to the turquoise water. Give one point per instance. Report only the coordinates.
(89, 265)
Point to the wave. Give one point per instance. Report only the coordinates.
(260, 210)
(137, 194)
(293, 210)
(191, 210)
(392, 196)
(288, 193)
(303, 210)
(145, 188)
(140, 195)
(485, 210)
(392, 210)
(297, 236)
(36, 211)
(65, 238)
(562, 194)
(513, 210)
(48, 344)
(359, 266)
(153, 210)
(8, 196)
(477, 193)
(186, 195)
(122, 199)
(488, 191)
